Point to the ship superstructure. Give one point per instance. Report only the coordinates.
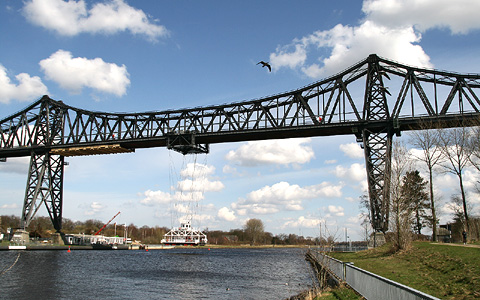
(185, 235)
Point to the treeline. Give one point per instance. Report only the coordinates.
(42, 228)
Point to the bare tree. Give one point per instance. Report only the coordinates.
(473, 145)
(427, 141)
(255, 230)
(400, 213)
(454, 146)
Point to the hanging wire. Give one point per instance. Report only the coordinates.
(173, 180)
(199, 204)
(189, 198)
(6, 270)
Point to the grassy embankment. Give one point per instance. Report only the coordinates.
(441, 270)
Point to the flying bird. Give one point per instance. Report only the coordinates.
(265, 64)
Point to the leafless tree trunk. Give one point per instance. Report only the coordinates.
(427, 141)
(365, 215)
(454, 145)
(401, 214)
(474, 150)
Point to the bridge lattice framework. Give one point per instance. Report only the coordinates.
(374, 100)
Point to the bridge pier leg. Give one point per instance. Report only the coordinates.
(378, 153)
(44, 185)
(377, 145)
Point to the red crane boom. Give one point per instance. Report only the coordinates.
(107, 223)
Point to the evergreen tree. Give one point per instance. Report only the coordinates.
(413, 191)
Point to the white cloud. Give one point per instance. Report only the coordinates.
(302, 222)
(195, 170)
(390, 28)
(194, 184)
(200, 184)
(226, 214)
(349, 45)
(9, 206)
(355, 173)
(27, 89)
(459, 16)
(283, 196)
(155, 197)
(195, 179)
(108, 17)
(293, 59)
(285, 152)
(94, 208)
(335, 210)
(73, 74)
(352, 150)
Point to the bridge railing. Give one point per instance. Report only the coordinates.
(369, 285)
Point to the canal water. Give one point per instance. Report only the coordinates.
(196, 273)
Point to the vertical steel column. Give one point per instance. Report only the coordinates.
(377, 146)
(45, 177)
(44, 185)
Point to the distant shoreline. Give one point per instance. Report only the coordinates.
(143, 247)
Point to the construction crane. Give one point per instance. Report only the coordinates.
(107, 223)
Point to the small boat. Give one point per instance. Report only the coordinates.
(184, 235)
(102, 246)
(105, 246)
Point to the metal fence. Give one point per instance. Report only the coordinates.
(369, 285)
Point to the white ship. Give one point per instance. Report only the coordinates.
(185, 235)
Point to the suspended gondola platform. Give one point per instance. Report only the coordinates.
(185, 235)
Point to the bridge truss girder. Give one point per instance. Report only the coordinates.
(328, 107)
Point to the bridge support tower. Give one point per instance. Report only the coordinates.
(377, 145)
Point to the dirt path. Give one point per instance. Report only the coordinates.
(458, 245)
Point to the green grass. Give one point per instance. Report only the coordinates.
(342, 293)
(446, 272)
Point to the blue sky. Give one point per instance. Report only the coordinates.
(136, 56)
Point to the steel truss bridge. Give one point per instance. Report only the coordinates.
(373, 100)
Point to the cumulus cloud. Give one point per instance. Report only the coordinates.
(302, 222)
(196, 178)
(283, 196)
(195, 181)
(390, 28)
(193, 170)
(27, 87)
(337, 211)
(226, 214)
(352, 150)
(70, 18)
(355, 173)
(284, 152)
(155, 197)
(350, 44)
(459, 16)
(75, 73)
